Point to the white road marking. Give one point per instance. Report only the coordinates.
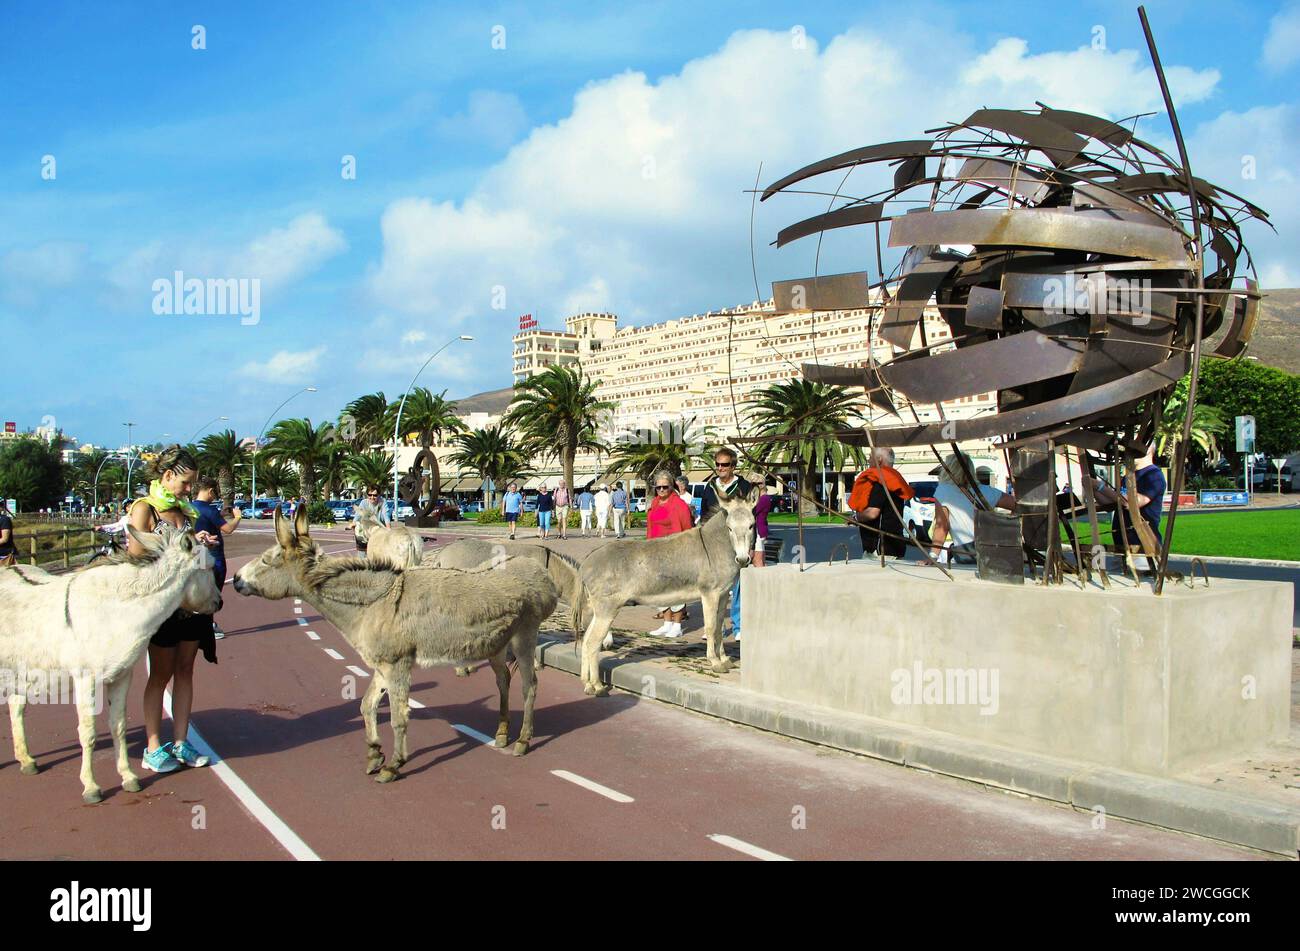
(279, 829)
(313, 635)
(414, 704)
(297, 610)
(302, 621)
(593, 786)
(358, 671)
(751, 850)
(333, 653)
(471, 732)
(297, 600)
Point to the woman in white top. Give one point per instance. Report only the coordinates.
(954, 511)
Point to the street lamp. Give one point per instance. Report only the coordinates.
(397, 426)
(111, 455)
(253, 493)
(128, 458)
(205, 426)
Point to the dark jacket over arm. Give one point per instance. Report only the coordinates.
(709, 503)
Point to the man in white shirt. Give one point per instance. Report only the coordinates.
(603, 500)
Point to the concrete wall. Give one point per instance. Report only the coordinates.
(1116, 677)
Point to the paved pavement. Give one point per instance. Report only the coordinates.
(615, 777)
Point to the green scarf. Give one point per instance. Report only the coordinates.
(164, 500)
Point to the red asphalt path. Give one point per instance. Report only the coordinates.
(274, 709)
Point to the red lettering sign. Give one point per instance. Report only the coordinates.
(11, 427)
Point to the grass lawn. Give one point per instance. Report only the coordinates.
(1274, 535)
(789, 518)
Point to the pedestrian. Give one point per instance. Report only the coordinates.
(173, 649)
(373, 506)
(684, 493)
(725, 482)
(8, 550)
(954, 508)
(586, 502)
(878, 496)
(618, 505)
(761, 510)
(603, 499)
(1151, 485)
(667, 515)
(512, 503)
(545, 506)
(562, 501)
(213, 521)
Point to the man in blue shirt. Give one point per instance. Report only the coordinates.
(211, 520)
(586, 502)
(1151, 487)
(512, 503)
(618, 502)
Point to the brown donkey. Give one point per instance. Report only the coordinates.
(396, 617)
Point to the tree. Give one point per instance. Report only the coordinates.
(493, 453)
(797, 420)
(273, 476)
(426, 414)
(366, 422)
(32, 472)
(306, 446)
(222, 451)
(675, 448)
(1248, 388)
(1208, 425)
(369, 468)
(333, 471)
(557, 413)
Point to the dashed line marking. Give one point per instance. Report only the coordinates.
(753, 851)
(297, 610)
(595, 787)
(475, 734)
(333, 653)
(302, 621)
(313, 635)
(358, 671)
(297, 600)
(414, 704)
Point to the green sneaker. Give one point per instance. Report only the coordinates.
(160, 760)
(188, 755)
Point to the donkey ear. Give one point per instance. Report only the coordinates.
(756, 493)
(151, 542)
(300, 522)
(284, 533)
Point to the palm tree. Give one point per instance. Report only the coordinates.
(557, 413)
(426, 414)
(369, 418)
(222, 451)
(674, 447)
(1208, 423)
(273, 475)
(797, 420)
(305, 445)
(333, 472)
(493, 453)
(369, 468)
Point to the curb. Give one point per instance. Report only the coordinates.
(1153, 800)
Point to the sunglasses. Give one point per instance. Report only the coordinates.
(658, 487)
(724, 465)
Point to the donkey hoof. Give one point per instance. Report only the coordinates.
(602, 690)
(589, 689)
(92, 796)
(386, 775)
(501, 741)
(521, 747)
(130, 784)
(373, 764)
(29, 769)
(721, 667)
(463, 671)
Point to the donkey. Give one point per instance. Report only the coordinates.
(392, 544)
(92, 625)
(396, 617)
(700, 564)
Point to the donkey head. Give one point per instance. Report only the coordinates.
(739, 512)
(179, 555)
(278, 572)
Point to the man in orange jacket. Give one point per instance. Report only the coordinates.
(879, 523)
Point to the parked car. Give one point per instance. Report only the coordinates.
(918, 511)
(342, 509)
(265, 508)
(469, 508)
(530, 503)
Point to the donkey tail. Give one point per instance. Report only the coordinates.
(576, 608)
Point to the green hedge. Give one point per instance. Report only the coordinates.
(529, 519)
(319, 513)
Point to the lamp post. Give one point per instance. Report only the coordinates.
(253, 494)
(397, 426)
(205, 426)
(129, 454)
(111, 455)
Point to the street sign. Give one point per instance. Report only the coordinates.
(11, 427)
(1245, 434)
(1218, 497)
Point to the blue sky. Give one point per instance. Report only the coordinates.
(598, 160)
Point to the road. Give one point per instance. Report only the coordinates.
(617, 777)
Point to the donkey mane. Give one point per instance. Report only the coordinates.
(124, 558)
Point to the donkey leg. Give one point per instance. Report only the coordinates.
(525, 651)
(398, 680)
(369, 717)
(600, 625)
(713, 604)
(17, 706)
(86, 732)
(117, 694)
(502, 669)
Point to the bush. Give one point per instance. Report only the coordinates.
(489, 517)
(319, 513)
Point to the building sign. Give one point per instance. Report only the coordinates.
(11, 427)
(526, 322)
(1211, 497)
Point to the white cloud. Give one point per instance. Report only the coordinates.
(284, 255)
(414, 336)
(493, 118)
(1282, 45)
(285, 366)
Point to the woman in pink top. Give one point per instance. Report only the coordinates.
(668, 515)
(562, 503)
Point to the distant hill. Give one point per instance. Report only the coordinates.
(492, 401)
(1277, 332)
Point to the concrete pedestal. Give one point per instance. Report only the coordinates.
(1121, 677)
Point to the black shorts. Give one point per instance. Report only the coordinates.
(512, 516)
(182, 627)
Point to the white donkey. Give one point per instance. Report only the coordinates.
(392, 544)
(92, 626)
(701, 564)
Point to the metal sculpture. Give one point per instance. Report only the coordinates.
(1068, 259)
(411, 489)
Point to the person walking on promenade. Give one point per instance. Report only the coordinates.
(173, 649)
(512, 503)
(762, 508)
(586, 502)
(213, 521)
(545, 506)
(684, 493)
(562, 501)
(667, 515)
(603, 499)
(727, 483)
(618, 505)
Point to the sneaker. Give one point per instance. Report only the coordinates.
(160, 760)
(183, 753)
(674, 630)
(217, 632)
(661, 629)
